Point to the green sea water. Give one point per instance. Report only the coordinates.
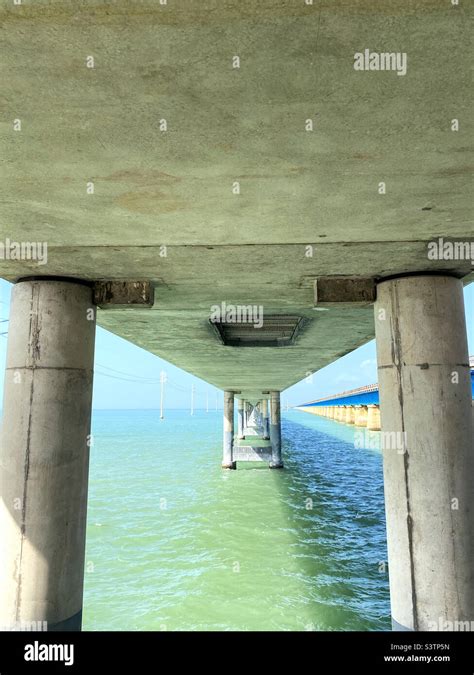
(176, 543)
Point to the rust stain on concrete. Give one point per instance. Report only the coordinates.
(140, 177)
(150, 202)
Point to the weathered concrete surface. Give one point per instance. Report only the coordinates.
(373, 418)
(240, 417)
(350, 415)
(425, 393)
(266, 419)
(361, 416)
(123, 294)
(44, 457)
(275, 430)
(339, 291)
(154, 188)
(228, 437)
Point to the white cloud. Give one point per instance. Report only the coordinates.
(345, 378)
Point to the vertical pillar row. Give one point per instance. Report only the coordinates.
(44, 458)
(425, 394)
(228, 440)
(275, 430)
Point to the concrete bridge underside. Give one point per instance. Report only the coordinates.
(297, 188)
(165, 130)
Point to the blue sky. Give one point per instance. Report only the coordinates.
(128, 377)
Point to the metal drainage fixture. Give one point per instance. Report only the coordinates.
(278, 330)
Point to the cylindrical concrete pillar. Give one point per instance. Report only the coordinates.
(425, 393)
(340, 413)
(44, 458)
(266, 421)
(350, 415)
(227, 459)
(331, 412)
(360, 419)
(275, 430)
(247, 413)
(240, 418)
(373, 418)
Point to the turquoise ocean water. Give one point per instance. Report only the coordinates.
(175, 543)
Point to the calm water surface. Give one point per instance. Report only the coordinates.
(175, 543)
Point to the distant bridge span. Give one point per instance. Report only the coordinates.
(367, 395)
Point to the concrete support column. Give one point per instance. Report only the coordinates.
(425, 393)
(247, 413)
(44, 458)
(373, 418)
(240, 418)
(275, 430)
(341, 413)
(360, 419)
(350, 415)
(266, 421)
(227, 459)
(331, 412)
